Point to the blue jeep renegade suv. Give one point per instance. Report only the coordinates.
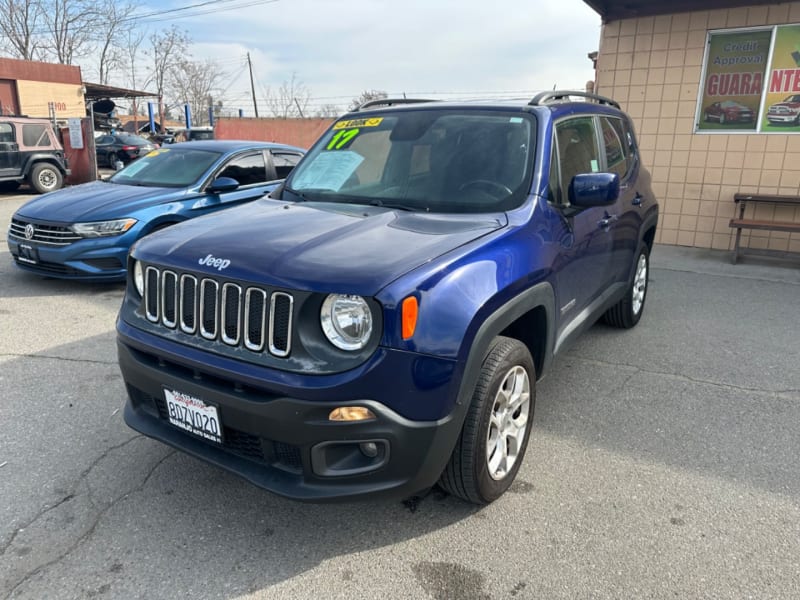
(378, 323)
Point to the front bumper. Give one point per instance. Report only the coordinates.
(783, 118)
(87, 260)
(286, 444)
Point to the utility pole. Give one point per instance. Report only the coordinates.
(252, 86)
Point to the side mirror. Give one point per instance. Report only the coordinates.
(223, 184)
(594, 189)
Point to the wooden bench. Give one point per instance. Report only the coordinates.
(741, 223)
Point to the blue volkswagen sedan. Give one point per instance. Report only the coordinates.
(84, 232)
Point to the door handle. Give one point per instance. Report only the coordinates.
(637, 200)
(606, 221)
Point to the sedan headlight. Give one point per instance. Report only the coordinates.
(103, 228)
(138, 277)
(346, 321)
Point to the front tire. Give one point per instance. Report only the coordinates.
(627, 312)
(497, 428)
(45, 177)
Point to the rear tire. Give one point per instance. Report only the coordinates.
(45, 177)
(627, 312)
(497, 428)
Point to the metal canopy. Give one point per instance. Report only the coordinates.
(96, 91)
(613, 10)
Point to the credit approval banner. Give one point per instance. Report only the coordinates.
(736, 64)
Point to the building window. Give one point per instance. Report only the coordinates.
(751, 81)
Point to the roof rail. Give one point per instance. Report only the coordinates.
(391, 102)
(563, 95)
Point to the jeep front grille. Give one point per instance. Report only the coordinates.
(52, 235)
(250, 317)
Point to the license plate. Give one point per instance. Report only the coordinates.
(27, 254)
(193, 415)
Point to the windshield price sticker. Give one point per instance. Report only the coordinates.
(373, 122)
(328, 171)
(193, 415)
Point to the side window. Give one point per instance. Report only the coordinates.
(6, 133)
(577, 149)
(35, 135)
(247, 170)
(616, 148)
(284, 163)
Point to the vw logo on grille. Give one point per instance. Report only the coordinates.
(29, 231)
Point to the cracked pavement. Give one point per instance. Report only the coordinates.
(663, 464)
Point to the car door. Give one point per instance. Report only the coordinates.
(9, 151)
(584, 268)
(102, 145)
(625, 221)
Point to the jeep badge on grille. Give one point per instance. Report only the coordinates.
(217, 263)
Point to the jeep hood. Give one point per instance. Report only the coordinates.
(313, 246)
(96, 201)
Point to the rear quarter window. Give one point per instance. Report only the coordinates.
(34, 135)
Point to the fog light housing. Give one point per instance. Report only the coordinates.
(342, 458)
(351, 413)
(368, 449)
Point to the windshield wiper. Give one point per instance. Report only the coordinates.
(398, 206)
(302, 196)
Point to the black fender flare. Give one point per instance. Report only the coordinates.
(35, 159)
(538, 295)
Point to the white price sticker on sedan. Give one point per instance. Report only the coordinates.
(193, 415)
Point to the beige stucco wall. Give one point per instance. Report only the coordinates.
(34, 97)
(652, 67)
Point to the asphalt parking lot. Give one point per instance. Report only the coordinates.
(663, 464)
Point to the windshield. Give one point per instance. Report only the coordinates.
(425, 160)
(167, 167)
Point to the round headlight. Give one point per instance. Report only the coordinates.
(346, 321)
(138, 277)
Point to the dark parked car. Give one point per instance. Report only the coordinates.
(378, 323)
(84, 232)
(729, 112)
(31, 153)
(124, 147)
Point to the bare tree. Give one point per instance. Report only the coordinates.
(165, 48)
(328, 111)
(133, 42)
(71, 26)
(366, 96)
(19, 22)
(111, 43)
(200, 84)
(290, 100)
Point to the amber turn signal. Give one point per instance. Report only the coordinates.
(351, 413)
(410, 313)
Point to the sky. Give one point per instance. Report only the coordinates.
(440, 49)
